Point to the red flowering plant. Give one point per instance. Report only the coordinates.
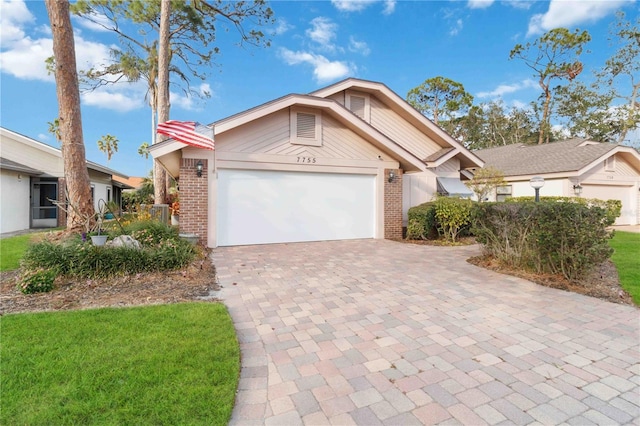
(175, 208)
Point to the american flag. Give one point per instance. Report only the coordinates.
(188, 132)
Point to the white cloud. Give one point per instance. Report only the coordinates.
(520, 105)
(282, 26)
(564, 13)
(190, 102)
(456, 28)
(323, 32)
(110, 98)
(324, 70)
(358, 46)
(479, 4)
(520, 4)
(12, 19)
(360, 5)
(505, 89)
(43, 137)
(352, 5)
(389, 7)
(26, 59)
(95, 22)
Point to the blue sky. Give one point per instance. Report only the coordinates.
(314, 44)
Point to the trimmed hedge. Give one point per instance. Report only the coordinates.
(612, 207)
(568, 238)
(422, 222)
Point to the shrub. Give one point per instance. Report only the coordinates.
(422, 222)
(37, 281)
(452, 215)
(151, 232)
(547, 237)
(612, 207)
(163, 250)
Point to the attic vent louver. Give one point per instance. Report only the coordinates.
(306, 125)
(358, 105)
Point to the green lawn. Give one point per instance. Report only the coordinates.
(11, 251)
(166, 364)
(627, 260)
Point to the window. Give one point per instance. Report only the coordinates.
(610, 164)
(359, 104)
(306, 128)
(108, 193)
(502, 192)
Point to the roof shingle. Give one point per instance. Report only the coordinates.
(563, 156)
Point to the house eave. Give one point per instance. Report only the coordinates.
(408, 161)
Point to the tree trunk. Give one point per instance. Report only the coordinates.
(544, 127)
(160, 181)
(68, 92)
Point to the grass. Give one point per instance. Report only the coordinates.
(11, 251)
(166, 364)
(626, 257)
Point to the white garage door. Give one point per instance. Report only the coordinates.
(622, 193)
(261, 207)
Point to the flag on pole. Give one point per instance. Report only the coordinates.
(188, 132)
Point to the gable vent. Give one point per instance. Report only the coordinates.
(358, 105)
(306, 126)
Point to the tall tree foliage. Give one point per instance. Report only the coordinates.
(621, 74)
(442, 100)
(553, 56)
(192, 30)
(70, 120)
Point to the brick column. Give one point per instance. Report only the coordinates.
(194, 199)
(393, 204)
(62, 198)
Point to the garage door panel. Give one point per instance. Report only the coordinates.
(604, 192)
(259, 207)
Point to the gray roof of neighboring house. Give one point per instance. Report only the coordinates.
(556, 157)
(17, 167)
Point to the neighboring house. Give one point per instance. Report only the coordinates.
(344, 162)
(133, 183)
(597, 170)
(32, 174)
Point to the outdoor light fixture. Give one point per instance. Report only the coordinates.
(577, 189)
(536, 183)
(392, 176)
(199, 168)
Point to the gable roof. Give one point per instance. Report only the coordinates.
(409, 113)
(571, 156)
(407, 160)
(4, 132)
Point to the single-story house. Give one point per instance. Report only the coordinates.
(573, 167)
(346, 161)
(32, 174)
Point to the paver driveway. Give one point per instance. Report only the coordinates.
(378, 332)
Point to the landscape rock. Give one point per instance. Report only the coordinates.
(124, 241)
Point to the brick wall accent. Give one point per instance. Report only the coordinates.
(62, 197)
(194, 199)
(393, 204)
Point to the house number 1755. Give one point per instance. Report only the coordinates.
(308, 160)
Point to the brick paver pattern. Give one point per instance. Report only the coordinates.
(376, 332)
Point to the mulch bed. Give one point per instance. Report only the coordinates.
(602, 282)
(187, 284)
